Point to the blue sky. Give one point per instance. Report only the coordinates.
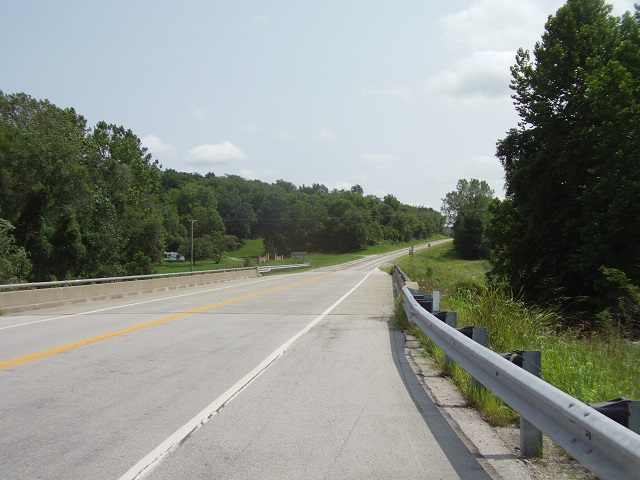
(400, 97)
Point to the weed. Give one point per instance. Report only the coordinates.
(590, 367)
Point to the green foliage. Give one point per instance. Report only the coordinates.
(571, 165)
(93, 203)
(82, 202)
(591, 367)
(231, 242)
(441, 268)
(467, 210)
(14, 261)
(250, 248)
(139, 265)
(208, 246)
(248, 262)
(43, 181)
(620, 302)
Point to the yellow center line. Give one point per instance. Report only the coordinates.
(123, 331)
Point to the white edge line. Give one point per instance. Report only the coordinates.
(130, 304)
(159, 299)
(153, 459)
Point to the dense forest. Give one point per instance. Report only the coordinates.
(81, 202)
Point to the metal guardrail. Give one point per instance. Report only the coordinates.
(273, 268)
(94, 281)
(602, 445)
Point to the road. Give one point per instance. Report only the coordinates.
(289, 376)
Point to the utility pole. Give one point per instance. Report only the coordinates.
(192, 220)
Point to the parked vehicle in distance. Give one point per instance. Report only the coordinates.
(173, 257)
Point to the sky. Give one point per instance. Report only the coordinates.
(402, 97)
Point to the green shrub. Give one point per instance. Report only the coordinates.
(591, 367)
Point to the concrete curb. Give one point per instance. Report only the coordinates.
(17, 301)
(498, 448)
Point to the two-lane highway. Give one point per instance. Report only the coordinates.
(289, 376)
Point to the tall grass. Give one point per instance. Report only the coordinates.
(591, 367)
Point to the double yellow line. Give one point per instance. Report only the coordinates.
(123, 331)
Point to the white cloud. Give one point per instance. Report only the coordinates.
(284, 135)
(490, 32)
(362, 178)
(197, 113)
(324, 134)
(383, 160)
(157, 146)
(496, 25)
(488, 168)
(622, 6)
(208, 154)
(482, 75)
(249, 128)
(506, 24)
(374, 91)
(266, 175)
(339, 185)
(486, 160)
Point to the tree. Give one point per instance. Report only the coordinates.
(307, 221)
(93, 203)
(14, 262)
(234, 205)
(83, 202)
(505, 240)
(467, 210)
(432, 222)
(46, 188)
(346, 224)
(571, 165)
(103, 238)
(131, 178)
(175, 231)
(272, 206)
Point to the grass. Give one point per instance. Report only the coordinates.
(251, 249)
(438, 268)
(588, 366)
(237, 258)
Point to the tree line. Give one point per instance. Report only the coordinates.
(567, 232)
(81, 202)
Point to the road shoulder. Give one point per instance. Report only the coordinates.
(498, 447)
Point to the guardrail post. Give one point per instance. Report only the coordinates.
(622, 410)
(530, 436)
(451, 319)
(435, 301)
(615, 454)
(634, 416)
(479, 335)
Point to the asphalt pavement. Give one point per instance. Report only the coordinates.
(289, 376)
